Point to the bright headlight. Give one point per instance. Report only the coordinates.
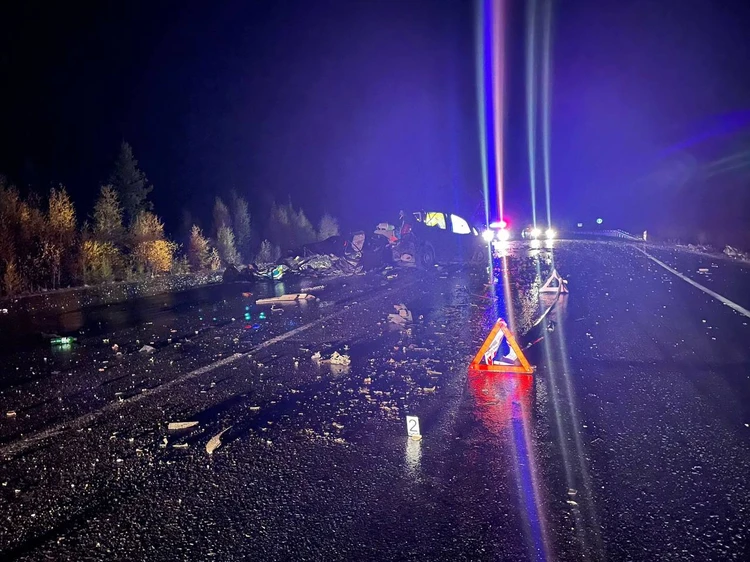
(550, 233)
(503, 235)
(488, 235)
(535, 233)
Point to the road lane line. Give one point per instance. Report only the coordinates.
(717, 296)
(82, 421)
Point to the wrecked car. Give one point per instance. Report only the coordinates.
(424, 238)
(337, 255)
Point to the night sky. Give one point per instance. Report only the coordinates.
(361, 108)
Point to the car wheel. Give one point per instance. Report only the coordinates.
(427, 256)
(480, 255)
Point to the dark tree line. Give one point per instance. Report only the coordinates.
(45, 244)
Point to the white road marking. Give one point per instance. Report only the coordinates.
(82, 421)
(717, 296)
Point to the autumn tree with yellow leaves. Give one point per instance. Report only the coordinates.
(58, 246)
(151, 252)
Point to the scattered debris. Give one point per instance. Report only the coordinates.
(335, 358)
(735, 253)
(174, 426)
(3, 311)
(291, 298)
(10, 414)
(338, 425)
(247, 295)
(215, 441)
(402, 317)
(254, 408)
(147, 349)
(180, 446)
(338, 359)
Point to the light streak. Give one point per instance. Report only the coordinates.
(481, 109)
(531, 100)
(498, 95)
(546, 103)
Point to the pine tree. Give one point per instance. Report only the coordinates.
(131, 184)
(268, 253)
(226, 247)
(108, 216)
(328, 227)
(199, 252)
(221, 216)
(241, 223)
(304, 231)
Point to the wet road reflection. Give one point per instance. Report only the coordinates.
(504, 404)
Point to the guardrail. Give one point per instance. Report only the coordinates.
(610, 234)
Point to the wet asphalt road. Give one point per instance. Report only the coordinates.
(631, 442)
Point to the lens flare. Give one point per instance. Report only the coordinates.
(546, 103)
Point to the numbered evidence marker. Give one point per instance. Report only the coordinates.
(412, 427)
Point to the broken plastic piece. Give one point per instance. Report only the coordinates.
(287, 299)
(147, 349)
(514, 362)
(554, 284)
(173, 426)
(215, 441)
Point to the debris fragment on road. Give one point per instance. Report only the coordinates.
(215, 441)
(174, 426)
(147, 349)
(291, 298)
(402, 317)
(11, 414)
(335, 358)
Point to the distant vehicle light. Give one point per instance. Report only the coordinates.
(499, 224)
(503, 235)
(536, 232)
(580, 225)
(599, 221)
(488, 235)
(550, 234)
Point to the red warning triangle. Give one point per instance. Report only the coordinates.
(554, 284)
(487, 360)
